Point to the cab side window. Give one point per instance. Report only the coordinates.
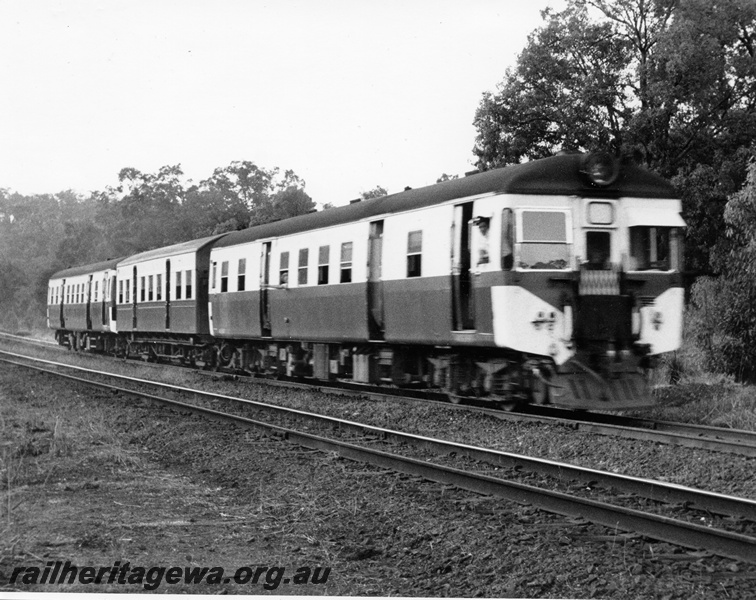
(654, 249)
(507, 239)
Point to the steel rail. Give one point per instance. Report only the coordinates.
(731, 545)
(659, 491)
(31, 340)
(717, 439)
(691, 429)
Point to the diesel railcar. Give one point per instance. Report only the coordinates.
(554, 281)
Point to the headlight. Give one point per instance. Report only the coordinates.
(601, 168)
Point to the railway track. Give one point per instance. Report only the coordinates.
(730, 534)
(718, 439)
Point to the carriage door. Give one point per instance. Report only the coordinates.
(62, 299)
(134, 298)
(375, 281)
(89, 302)
(265, 291)
(168, 294)
(462, 302)
(104, 303)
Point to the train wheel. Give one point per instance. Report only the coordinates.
(508, 405)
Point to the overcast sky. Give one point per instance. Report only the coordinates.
(349, 94)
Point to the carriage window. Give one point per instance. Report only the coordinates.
(414, 253)
(150, 294)
(241, 275)
(283, 277)
(128, 291)
(142, 289)
(215, 275)
(224, 276)
(120, 292)
(346, 262)
(323, 255)
(188, 295)
(97, 291)
(654, 248)
(178, 285)
(304, 257)
(544, 240)
(159, 287)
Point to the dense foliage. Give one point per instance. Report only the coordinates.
(722, 316)
(671, 83)
(45, 233)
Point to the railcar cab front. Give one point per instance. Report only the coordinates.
(589, 286)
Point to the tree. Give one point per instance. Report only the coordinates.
(291, 202)
(567, 92)
(243, 187)
(671, 83)
(723, 309)
(46, 233)
(148, 213)
(376, 192)
(445, 177)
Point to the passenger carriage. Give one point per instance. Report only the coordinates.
(162, 302)
(80, 305)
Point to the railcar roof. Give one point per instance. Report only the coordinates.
(556, 175)
(168, 251)
(86, 269)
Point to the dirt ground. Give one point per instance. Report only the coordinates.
(105, 481)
